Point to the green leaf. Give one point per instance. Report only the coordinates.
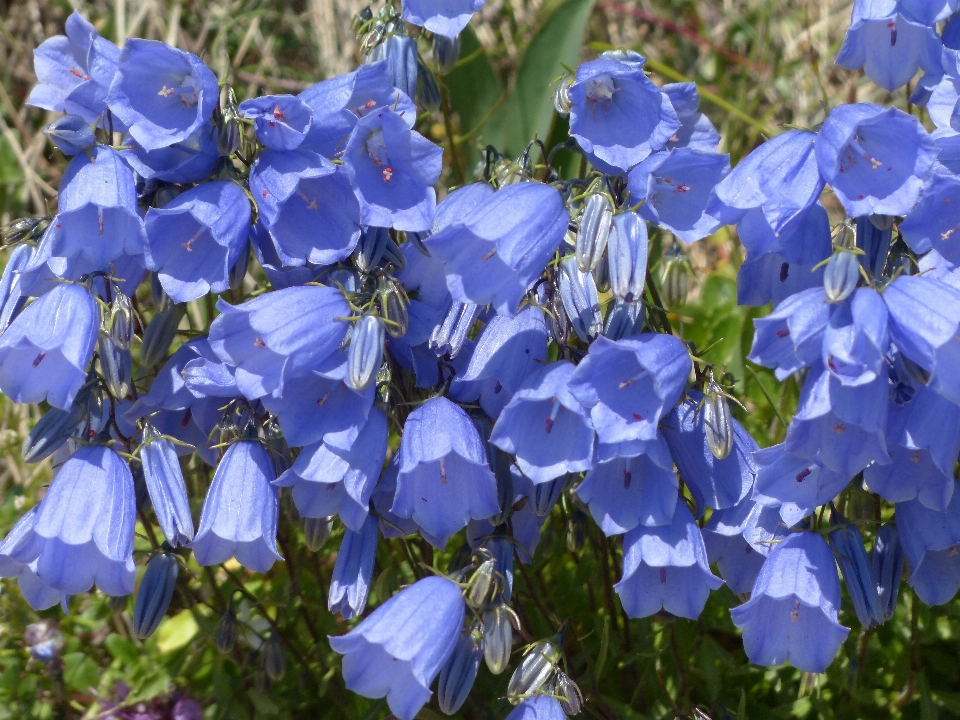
(557, 43)
(122, 649)
(474, 90)
(80, 672)
(176, 632)
(604, 648)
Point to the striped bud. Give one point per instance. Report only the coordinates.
(847, 545)
(594, 232)
(54, 429)
(161, 301)
(274, 657)
(545, 496)
(165, 484)
(153, 597)
(501, 548)
(887, 566)
(227, 630)
(576, 530)
(428, 93)
(580, 300)
(500, 465)
(159, 334)
(534, 670)
(841, 276)
(568, 693)
(121, 321)
(393, 255)
(366, 352)
(373, 241)
(717, 423)
(561, 98)
(446, 52)
(448, 336)
(116, 366)
(498, 622)
(482, 584)
(627, 256)
(316, 532)
(460, 671)
(675, 277)
(623, 319)
(393, 308)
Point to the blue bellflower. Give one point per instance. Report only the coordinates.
(166, 486)
(792, 612)
(45, 352)
(931, 544)
(160, 93)
(617, 115)
(666, 567)
(71, 134)
(739, 539)
(194, 241)
(400, 54)
(398, 650)
(441, 17)
(281, 122)
(538, 707)
(188, 161)
(794, 484)
(791, 337)
(353, 571)
(935, 220)
(240, 512)
(75, 71)
(696, 131)
(35, 591)
(444, 479)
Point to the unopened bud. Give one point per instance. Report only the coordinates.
(316, 532)
(71, 134)
(154, 594)
(227, 630)
(576, 530)
(675, 277)
(161, 301)
(366, 352)
(482, 584)
(500, 465)
(841, 276)
(239, 269)
(393, 308)
(274, 657)
(373, 241)
(460, 671)
(393, 255)
(428, 94)
(54, 429)
(847, 545)
(448, 336)
(594, 232)
(116, 365)
(623, 319)
(568, 693)
(887, 566)
(534, 670)
(717, 423)
(159, 335)
(446, 52)
(627, 256)
(121, 321)
(228, 138)
(545, 496)
(580, 300)
(561, 98)
(498, 622)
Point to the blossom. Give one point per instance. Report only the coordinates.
(353, 571)
(166, 486)
(442, 18)
(280, 121)
(35, 591)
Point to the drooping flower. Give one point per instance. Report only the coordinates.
(444, 479)
(160, 93)
(353, 571)
(792, 612)
(75, 71)
(280, 121)
(696, 131)
(188, 161)
(71, 134)
(739, 539)
(167, 489)
(791, 337)
(194, 241)
(45, 352)
(931, 545)
(35, 591)
(666, 567)
(856, 339)
(399, 649)
(509, 349)
(538, 707)
(447, 18)
(617, 115)
(794, 484)
(240, 512)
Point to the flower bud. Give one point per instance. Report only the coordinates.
(576, 530)
(717, 423)
(448, 336)
(316, 532)
(847, 545)
(568, 693)
(393, 255)
(12, 301)
(675, 277)
(534, 670)
(502, 549)
(460, 671)
(227, 630)
(164, 483)
(393, 308)
(400, 52)
(159, 334)
(161, 301)
(580, 300)
(874, 233)
(121, 321)
(545, 496)
(498, 622)
(446, 52)
(228, 139)
(154, 594)
(627, 256)
(557, 321)
(71, 134)
(366, 352)
(274, 657)
(23, 229)
(116, 365)
(482, 584)
(373, 241)
(841, 276)
(561, 98)
(239, 269)
(887, 566)
(428, 94)
(594, 232)
(54, 429)
(500, 465)
(623, 320)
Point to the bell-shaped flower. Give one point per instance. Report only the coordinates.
(70, 134)
(792, 612)
(75, 71)
(45, 352)
(441, 18)
(888, 44)
(628, 385)
(188, 161)
(739, 539)
(239, 518)
(796, 485)
(353, 571)
(281, 122)
(843, 424)
(330, 480)
(935, 221)
(665, 567)
(494, 254)
(931, 545)
(538, 707)
(444, 479)
(617, 115)
(398, 650)
(160, 93)
(624, 492)
(857, 338)
(875, 159)
(924, 325)
(340, 102)
(696, 131)
(713, 483)
(545, 426)
(676, 186)
(400, 54)
(307, 206)
(12, 299)
(194, 241)
(780, 177)
(791, 337)
(278, 335)
(166, 486)
(509, 349)
(84, 526)
(35, 591)
(393, 169)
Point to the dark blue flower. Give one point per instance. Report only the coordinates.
(194, 241)
(399, 649)
(444, 479)
(446, 17)
(188, 161)
(392, 169)
(886, 560)
(353, 571)
(239, 518)
(847, 545)
(307, 206)
(630, 384)
(666, 567)
(280, 121)
(45, 352)
(160, 93)
(545, 427)
(875, 159)
(494, 253)
(792, 612)
(617, 115)
(74, 71)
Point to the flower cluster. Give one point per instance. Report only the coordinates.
(510, 335)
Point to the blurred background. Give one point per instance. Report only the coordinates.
(760, 65)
